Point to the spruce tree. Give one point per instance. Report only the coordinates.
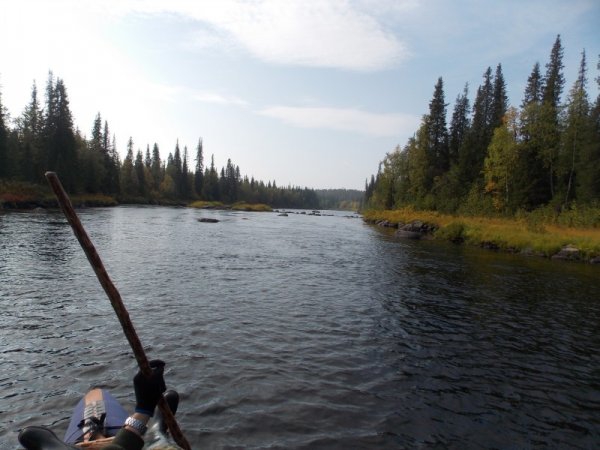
(554, 80)
(138, 167)
(459, 126)
(500, 99)
(549, 125)
(531, 188)
(437, 150)
(93, 160)
(534, 88)
(129, 182)
(577, 139)
(474, 147)
(156, 167)
(59, 137)
(148, 158)
(199, 172)
(110, 157)
(185, 185)
(4, 169)
(177, 172)
(30, 124)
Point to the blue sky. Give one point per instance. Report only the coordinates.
(308, 93)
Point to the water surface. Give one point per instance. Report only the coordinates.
(300, 332)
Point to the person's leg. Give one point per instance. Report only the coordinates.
(97, 415)
(74, 433)
(115, 414)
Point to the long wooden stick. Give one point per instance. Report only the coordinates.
(115, 300)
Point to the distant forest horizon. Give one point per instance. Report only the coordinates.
(45, 138)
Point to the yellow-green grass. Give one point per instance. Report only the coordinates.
(505, 234)
(256, 207)
(203, 204)
(239, 206)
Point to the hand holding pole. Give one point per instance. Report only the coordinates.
(115, 300)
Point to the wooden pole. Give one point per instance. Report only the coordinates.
(115, 300)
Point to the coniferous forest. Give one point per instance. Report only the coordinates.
(44, 138)
(497, 159)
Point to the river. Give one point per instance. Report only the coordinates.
(300, 332)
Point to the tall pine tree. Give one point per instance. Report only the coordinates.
(500, 99)
(438, 133)
(4, 169)
(459, 126)
(31, 167)
(531, 187)
(549, 126)
(129, 181)
(474, 147)
(199, 172)
(59, 137)
(577, 137)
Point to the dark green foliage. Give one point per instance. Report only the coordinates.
(128, 177)
(199, 172)
(437, 150)
(474, 146)
(500, 99)
(500, 160)
(4, 168)
(460, 124)
(45, 140)
(58, 135)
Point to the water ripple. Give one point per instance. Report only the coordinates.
(308, 332)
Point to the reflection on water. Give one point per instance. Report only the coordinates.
(300, 332)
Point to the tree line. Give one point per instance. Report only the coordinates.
(45, 138)
(496, 158)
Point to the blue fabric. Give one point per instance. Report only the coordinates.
(115, 418)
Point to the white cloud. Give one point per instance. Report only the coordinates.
(212, 97)
(333, 34)
(344, 119)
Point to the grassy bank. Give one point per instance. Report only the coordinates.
(522, 234)
(16, 195)
(239, 206)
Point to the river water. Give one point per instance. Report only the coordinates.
(300, 332)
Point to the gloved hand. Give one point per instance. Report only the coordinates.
(149, 390)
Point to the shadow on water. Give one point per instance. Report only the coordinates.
(300, 332)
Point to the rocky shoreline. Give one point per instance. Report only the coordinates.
(417, 229)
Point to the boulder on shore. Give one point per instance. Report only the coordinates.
(569, 253)
(415, 230)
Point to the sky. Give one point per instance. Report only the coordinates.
(309, 93)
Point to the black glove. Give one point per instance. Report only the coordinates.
(149, 390)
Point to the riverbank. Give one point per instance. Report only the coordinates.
(25, 196)
(523, 236)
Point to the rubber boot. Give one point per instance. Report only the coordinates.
(40, 438)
